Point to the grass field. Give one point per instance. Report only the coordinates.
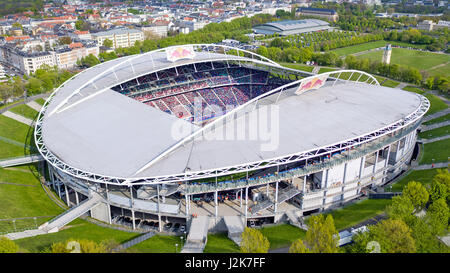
(77, 229)
(411, 58)
(282, 235)
(326, 69)
(157, 244)
(23, 196)
(13, 136)
(438, 132)
(386, 82)
(438, 120)
(220, 243)
(436, 104)
(25, 111)
(423, 176)
(40, 101)
(301, 67)
(12, 129)
(355, 213)
(8, 150)
(23, 201)
(438, 151)
(413, 89)
(372, 45)
(358, 48)
(442, 70)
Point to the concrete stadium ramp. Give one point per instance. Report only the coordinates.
(235, 228)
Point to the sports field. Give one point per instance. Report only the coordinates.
(372, 45)
(420, 60)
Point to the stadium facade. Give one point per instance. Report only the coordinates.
(145, 133)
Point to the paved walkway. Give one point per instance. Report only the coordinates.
(20, 160)
(401, 85)
(43, 96)
(36, 106)
(434, 126)
(437, 115)
(431, 166)
(18, 118)
(431, 140)
(316, 70)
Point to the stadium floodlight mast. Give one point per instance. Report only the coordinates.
(250, 166)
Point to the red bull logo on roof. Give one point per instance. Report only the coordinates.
(180, 52)
(314, 83)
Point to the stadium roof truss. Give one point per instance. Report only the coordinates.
(334, 76)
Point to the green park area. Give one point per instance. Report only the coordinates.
(25, 111)
(435, 152)
(16, 139)
(438, 120)
(372, 45)
(420, 60)
(438, 132)
(423, 176)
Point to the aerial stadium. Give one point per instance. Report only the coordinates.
(139, 141)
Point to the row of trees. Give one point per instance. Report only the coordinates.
(416, 218)
(45, 79)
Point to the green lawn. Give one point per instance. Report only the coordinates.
(301, 67)
(12, 135)
(355, 213)
(371, 45)
(438, 132)
(436, 104)
(23, 201)
(77, 229)
(358, 48)
(438, 120)
(157, 244)
(220, 243)
(282, 235)
(412, 58)
(442, 70)
(327, 69)
(8, 150)
(423, 176)
(40, 101)
(413, 89)
(17, 200)
(438, 151)
(25, 111)
(12, 129)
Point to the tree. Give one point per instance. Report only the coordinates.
(401, 208)
(7, 245)
(440, 186)
(78, 246)
(438, 214)
(417, 193)
(5, 92)
(322, 236)
(262, 50)
(394, 236)
(424, 239)
(108, 43)
(253, 241)
(298, 247)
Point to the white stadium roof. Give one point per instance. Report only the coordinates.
(103, 132)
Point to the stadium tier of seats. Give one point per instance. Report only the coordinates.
(200, 92)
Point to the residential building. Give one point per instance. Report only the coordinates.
(121, 37)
